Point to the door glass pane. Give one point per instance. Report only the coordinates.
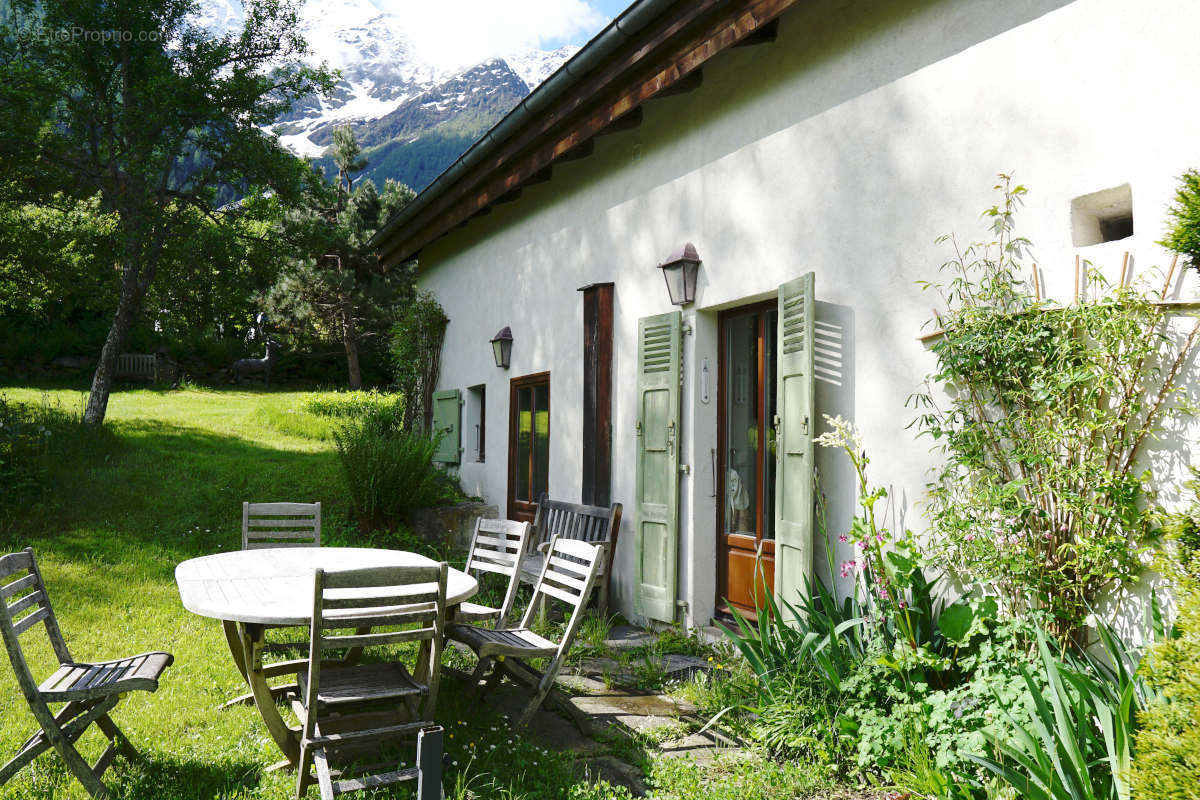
(541, 440)
(524, 442)
(741, 424)
(768, 452)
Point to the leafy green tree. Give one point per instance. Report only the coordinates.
(339, 290)
(133, 102)
(1183, 235)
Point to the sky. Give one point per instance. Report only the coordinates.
(453, 32)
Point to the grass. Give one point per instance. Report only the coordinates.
(162, 482)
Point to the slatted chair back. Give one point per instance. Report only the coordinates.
(281, 525)
(568, 574)
(592, 524)
(497, 546)
(23, 604)
(373, 598)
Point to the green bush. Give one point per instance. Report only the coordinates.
(352, 405)
(1167, 763)
(389, 472)
(1183, 235)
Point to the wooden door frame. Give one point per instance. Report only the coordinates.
(514, 385)
(723, 318)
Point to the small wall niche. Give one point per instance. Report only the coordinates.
(1103, 216)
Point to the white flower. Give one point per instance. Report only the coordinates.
(843, 434)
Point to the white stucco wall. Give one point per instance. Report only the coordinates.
(845, 147)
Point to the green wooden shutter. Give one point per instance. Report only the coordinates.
(657, 481)
(794, 511)
(447, 423)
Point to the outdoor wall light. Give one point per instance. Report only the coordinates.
(680, 270)
(502, 347)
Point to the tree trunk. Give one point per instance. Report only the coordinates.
(127, 309)
(350, 340)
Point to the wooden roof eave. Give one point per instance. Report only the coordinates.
(666, 55)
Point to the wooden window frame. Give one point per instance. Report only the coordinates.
(515, 385)
(768, 545)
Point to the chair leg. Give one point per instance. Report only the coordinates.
(429, 764)
(324, 778)
(79, 768)
(303, 777)
(603, 579)
(534, 703)
(117, 737)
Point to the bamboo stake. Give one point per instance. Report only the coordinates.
(1125, 271)
(1170, 274)
(1037, 284)
(1076, 279)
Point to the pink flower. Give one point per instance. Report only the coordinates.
(970, 537)
(843, 538)
(883, 595)
(1062, 528)
(848, 568)
(863, 544)
(1046, 535)
(903, 604)
(879, 537)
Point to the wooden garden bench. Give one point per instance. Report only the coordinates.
(595, 525)
(89, 690)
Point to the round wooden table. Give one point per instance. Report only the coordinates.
(251, 590)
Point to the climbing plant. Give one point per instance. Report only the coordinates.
(1044, 413)
(416, 349)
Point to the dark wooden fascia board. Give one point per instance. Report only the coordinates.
(687, 38)
(764, 35)
(688, 83)
(626, 123)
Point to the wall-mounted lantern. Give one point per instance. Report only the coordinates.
(680, 270)
(502, 347)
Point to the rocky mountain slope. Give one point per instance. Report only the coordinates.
(412, 117)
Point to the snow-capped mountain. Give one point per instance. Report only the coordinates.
(383, 75)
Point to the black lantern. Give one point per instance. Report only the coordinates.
(680, 270)
(502, 347)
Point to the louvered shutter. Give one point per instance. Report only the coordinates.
(657, 464)
(794, 510)
(447, 423)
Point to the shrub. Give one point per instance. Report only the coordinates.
(1167, 764)
(352, 405)
(1183, 235)
(390, 472)
(1079, 743)
(1043, 413)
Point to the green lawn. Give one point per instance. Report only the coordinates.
(163, 482)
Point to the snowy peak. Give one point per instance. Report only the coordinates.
(534, 66)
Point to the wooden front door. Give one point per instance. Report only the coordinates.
(746, 458)
(528, 444)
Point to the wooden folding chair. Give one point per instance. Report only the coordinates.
(341, 708)
(89, 691)
(595, 525)
(496, 546)
(568, 574)
(281, 525)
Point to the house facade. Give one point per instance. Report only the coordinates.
(811, 153)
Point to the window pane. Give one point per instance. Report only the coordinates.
(541, 440)
(741, 424)
(768, 452)
(524, 430)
